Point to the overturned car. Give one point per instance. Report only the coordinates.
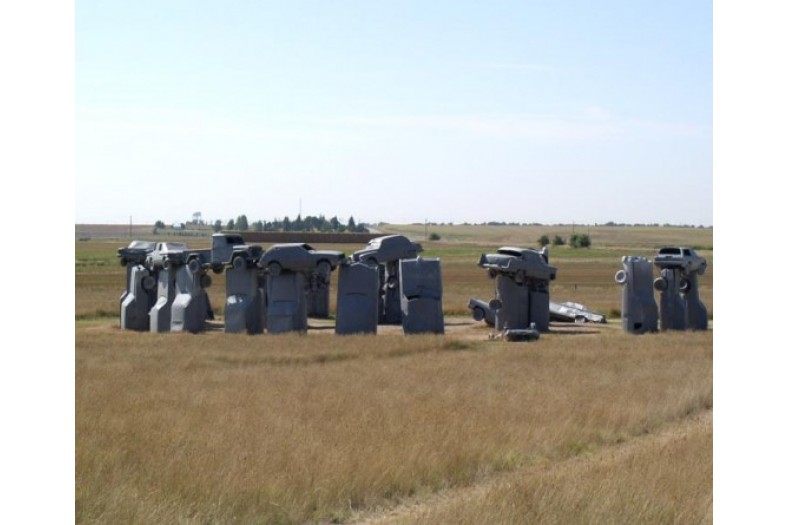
(523, 263)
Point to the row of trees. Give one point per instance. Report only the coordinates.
(577, 240)
(307, 224)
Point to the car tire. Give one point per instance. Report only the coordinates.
(492, 274)
(238, 262)
(702, 269)
(194, 265)
(274, 269)
(660, 284)
(123, 261)
(478, 314)
(684, 286)
(148, 283)
(205, 281)
(324, 268)
(217, 268)
(581, 319)
(621, 277)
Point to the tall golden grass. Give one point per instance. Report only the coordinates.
(662, 478)
(287, 429)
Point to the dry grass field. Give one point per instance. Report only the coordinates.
(588, 424)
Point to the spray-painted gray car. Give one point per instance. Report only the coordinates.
(681, 257)
(230, 248)
(388, 248)
(299, 257)
(522, 262)
(135, 252)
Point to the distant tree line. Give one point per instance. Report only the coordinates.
(306, 224)
(577, 240)
(609, 224)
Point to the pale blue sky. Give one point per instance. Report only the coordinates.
(398, 111)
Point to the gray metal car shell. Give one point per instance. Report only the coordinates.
(299, 257)
(135, 252)
(524, 262)
(230, 248)
(387, 248)
(481, 311)
(574, 312)
(682, 257)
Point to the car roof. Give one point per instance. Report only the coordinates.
(292, 245)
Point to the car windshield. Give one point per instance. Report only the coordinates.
(515, 253)
(670, 251)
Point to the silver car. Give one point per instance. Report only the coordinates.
(685, 258)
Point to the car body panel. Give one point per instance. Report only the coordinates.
(574, 312)
(681, 257)
(299, 257)
(135, 252)
(388, 248)
(531, 263)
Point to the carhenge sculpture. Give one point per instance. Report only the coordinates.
(288, 268)
(421, 295)
(638, 308)
(385, 253)
(244, 307)
(680, 305)
(140, 293)
(522, 286)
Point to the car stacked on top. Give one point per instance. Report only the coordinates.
(524, 263)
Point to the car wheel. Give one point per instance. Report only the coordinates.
(492, 274)
(684, 286)
(123, 261)
(478, 314)
(372, 261)
(275, 269)
(621, 277)
(702, 269)
(324, 268)
(239, 262)
(205, 280)
(194, 265)
(660, 284)
(580, 319)
(217, 268)
(167, 265)
(148, 283)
